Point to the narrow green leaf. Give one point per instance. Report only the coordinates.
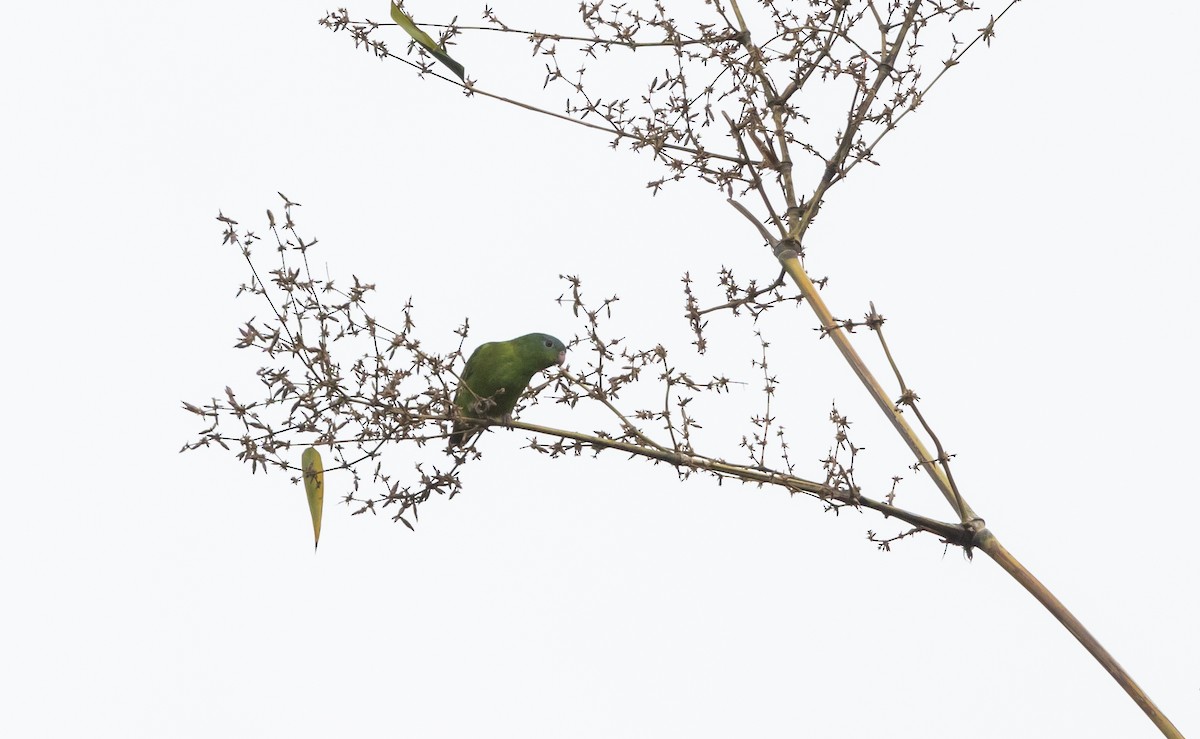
(425, 41)
(314, 488)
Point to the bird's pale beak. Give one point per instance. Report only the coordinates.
(562, 357)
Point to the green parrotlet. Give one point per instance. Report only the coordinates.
(496, 375)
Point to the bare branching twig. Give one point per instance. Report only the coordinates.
(772, 103)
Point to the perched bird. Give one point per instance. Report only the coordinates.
(496, 375)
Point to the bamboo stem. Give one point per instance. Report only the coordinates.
(1001, 556)
(791, 263)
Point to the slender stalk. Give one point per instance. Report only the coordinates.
(471, 89)
(987, 542)
(791, 265)
(951, 533)
(983, 539)
(681, 41)
(858, 114)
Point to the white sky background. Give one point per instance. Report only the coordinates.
(1028, 236)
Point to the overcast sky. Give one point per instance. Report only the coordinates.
(1030, 236)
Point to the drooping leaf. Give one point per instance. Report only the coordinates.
(314, 488)
(425, 41)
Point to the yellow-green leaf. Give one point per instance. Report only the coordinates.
(425, 41)
(314, 488)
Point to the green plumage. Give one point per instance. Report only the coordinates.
(496, 375)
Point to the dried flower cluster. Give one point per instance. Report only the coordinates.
(811, 99)
(336, 377)
(774, 102)
(808, 95)
(766, 102)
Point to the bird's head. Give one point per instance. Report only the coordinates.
(545, 347)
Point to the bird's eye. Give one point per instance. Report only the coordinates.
(549, 343)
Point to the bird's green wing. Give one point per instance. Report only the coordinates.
(474, 373)
(470, 389)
